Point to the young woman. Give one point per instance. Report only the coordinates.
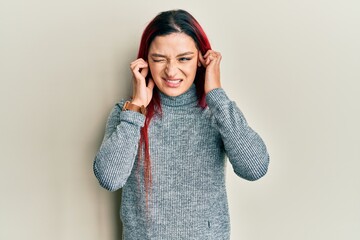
(166, 146)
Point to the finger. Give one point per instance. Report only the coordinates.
(201, 59)
(218, 58)
(139, 60)
(213, 57)
(144, 71)
(209, 56)
(208, 59)
(137, 65)
(208, 53)
(215, 60)
(139, 69)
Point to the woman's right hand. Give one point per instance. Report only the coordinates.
(142, 94)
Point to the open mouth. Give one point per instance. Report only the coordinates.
(173, 82)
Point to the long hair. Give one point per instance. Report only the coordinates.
(165, 23)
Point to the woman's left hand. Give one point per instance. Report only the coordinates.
(211, 61)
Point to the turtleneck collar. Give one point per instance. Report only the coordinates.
(187, 98)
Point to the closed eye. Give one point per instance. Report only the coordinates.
(184, 59)
(159, 60)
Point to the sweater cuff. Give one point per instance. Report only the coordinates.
(217, 98)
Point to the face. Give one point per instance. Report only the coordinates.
(173, 60)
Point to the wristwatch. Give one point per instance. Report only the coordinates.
(132, 107)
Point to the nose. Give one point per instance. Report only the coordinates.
(171, 69)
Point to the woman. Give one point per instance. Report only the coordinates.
(166, 146)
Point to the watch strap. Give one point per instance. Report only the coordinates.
(132, 107)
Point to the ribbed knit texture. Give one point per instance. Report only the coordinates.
(187, 149)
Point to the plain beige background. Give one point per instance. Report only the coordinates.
(291, 66)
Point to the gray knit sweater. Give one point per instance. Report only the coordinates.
(187, 149)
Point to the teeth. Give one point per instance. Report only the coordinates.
(173, 81)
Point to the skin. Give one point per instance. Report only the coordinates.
(173, 60)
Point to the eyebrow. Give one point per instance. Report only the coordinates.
(179, 55)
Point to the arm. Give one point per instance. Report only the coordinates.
(244, 147)
(115, 159)
(116, 156)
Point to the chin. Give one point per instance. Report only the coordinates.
(173, 90)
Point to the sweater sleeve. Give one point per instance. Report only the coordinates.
(244, 147)
(115, 159)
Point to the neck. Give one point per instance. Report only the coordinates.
(187, 98)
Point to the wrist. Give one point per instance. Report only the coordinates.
(137, 102)
(210, 88)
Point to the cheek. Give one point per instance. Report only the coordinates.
(191, 69)
(155, 70)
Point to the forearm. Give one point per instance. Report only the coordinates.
(115, 159)
(244, 147)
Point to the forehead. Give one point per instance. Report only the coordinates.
(174, 43)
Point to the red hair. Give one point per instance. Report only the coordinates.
(165, 23)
